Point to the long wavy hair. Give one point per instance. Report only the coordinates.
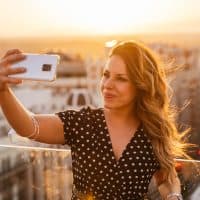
(152, 103)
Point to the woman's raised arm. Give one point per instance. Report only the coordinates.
(50, 126)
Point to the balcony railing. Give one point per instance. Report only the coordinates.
(45, 173)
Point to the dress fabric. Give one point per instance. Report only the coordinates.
(96, 173)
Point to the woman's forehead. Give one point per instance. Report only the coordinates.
(115, 64)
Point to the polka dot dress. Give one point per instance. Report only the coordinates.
(96, 173)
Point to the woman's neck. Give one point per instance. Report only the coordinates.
(119, 116)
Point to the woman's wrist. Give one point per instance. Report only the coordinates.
(3, 94)
(4, 88)
(174, 196)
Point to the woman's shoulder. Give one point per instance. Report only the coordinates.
(83, 111)
(89, 111)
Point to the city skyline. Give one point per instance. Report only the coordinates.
(24, 18)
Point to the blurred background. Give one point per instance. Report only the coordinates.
(82, 32)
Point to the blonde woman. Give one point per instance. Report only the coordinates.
(118, 148)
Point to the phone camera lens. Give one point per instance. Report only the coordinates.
(46, 67)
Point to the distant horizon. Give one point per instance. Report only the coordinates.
(85, 44)
(94, 46)
(92, 36)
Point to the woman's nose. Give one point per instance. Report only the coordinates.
(108, 83)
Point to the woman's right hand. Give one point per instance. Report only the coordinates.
(10, 57)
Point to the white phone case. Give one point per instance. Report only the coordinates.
(40, 67)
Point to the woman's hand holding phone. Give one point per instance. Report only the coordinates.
(11, 56)
(16, 66)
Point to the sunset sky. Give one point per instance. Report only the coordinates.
(90, 17)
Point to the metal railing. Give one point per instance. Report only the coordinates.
(45, 173)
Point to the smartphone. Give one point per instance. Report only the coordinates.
(39, 67)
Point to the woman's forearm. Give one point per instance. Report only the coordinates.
(16, 114)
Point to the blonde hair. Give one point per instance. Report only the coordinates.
(152, 103)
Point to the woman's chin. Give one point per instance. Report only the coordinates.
(109, 106)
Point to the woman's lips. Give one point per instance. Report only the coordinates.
(108, 96)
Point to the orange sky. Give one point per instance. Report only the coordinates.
(77, 17)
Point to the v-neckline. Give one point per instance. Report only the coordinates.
(117, 161)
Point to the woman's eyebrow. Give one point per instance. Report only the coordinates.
(119, 74)
(125, 75)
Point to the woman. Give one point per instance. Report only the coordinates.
(117, 149)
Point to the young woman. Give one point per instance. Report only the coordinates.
(118, 148)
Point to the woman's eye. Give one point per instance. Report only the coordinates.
(122, 79)
(105, 75)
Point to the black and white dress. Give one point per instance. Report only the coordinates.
(96, 172)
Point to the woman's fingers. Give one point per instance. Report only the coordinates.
(11, 59)
(5, 79)
(12, 51)
(11, 56)
(9, 71)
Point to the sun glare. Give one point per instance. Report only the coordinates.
(100, 17)
(79, 17)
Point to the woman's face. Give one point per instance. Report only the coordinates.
(117, 90)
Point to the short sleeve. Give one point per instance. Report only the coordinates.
(73, 123)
